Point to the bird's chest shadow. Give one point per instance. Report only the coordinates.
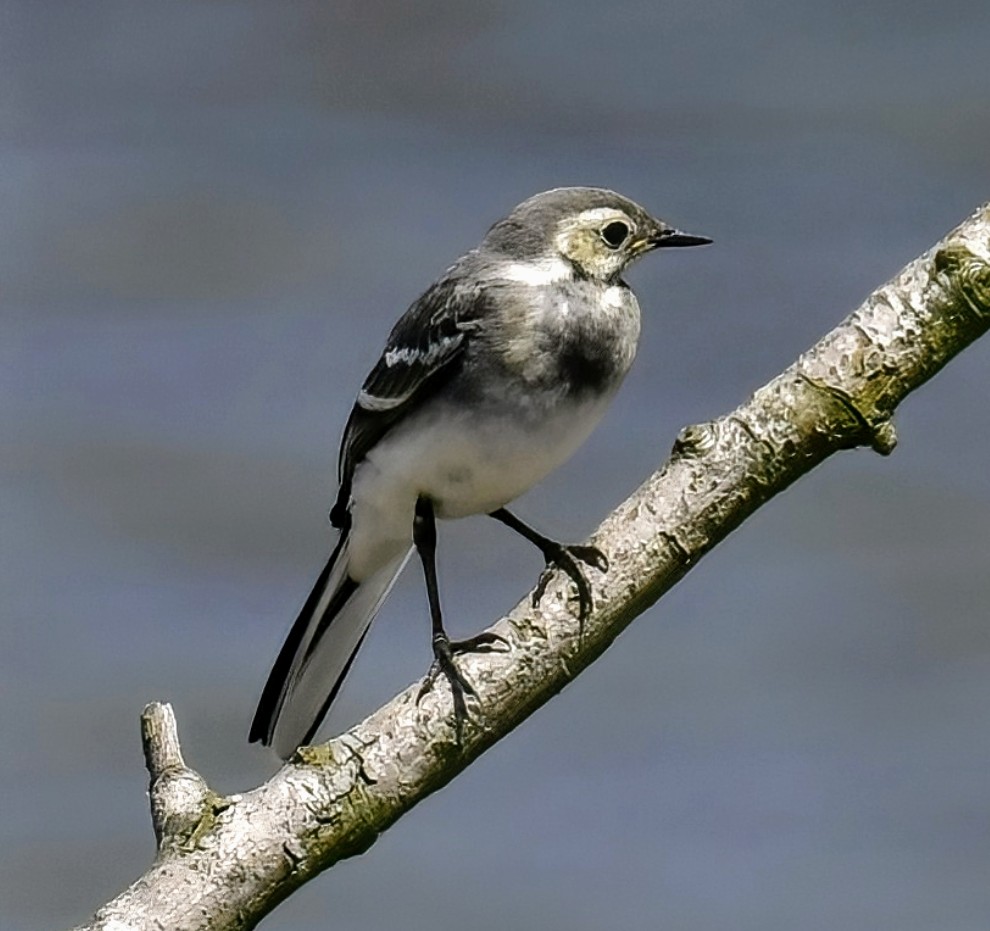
(585, 361)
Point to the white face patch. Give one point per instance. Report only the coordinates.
(539, 273)
(600, 215)
(580, 239)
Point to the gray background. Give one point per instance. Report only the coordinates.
(213, 212)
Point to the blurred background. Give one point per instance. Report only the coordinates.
(211, 215)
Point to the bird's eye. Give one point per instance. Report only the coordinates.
(614, 234)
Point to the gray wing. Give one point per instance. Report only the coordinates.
(423, 351)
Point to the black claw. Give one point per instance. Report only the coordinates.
(444, 651)
(480, 643)
(590, 555)
(565, 559)
(541, 586)
(558, 556)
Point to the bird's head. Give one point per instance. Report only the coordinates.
(594, 232)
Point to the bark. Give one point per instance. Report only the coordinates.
(225, 862)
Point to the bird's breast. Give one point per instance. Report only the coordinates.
(574, 340)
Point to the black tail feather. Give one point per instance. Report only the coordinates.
(273, 694)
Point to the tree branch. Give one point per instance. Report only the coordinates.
(224, 863)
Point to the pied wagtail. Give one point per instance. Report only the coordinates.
(487, 383)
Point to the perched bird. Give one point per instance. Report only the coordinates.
(487, 383)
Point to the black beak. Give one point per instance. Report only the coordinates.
(668, 236)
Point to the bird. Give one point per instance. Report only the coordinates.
(490, 380)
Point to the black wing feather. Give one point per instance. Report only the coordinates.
(422, 351)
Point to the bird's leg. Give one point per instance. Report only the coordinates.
(444, 649)
(559, 556)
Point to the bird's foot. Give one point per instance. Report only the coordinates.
(566, 558)
(444, 651)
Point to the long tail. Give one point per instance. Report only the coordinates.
(318, 652)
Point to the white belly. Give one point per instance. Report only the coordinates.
(465, 465)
